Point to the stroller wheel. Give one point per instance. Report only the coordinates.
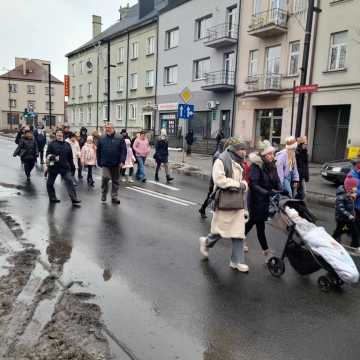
(335, 280)
(276, 266)
(324, 283)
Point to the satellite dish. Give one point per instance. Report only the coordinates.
(89, 65)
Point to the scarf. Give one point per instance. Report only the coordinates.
(227, 157)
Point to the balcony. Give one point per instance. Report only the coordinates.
(269, 85)
(269, 23)
(220, 81)
(221, 36)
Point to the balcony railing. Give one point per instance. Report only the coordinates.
(220, 81)
(267, 85)
(222, 35)
(269, 23)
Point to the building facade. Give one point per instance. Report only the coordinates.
(270, 54)
(27, 87)
(334, 113)
(197, 50)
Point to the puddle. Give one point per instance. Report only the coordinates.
(6, 191)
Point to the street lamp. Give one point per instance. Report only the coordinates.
(49, 83)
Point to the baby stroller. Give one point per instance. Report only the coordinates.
(308, 247)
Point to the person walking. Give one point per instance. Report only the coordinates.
(96, 137)
(75, 148)
(161, 156)
(111, 156)
(59, 161)
(66, 131)
(220, 135)
(20, 133)
(345, 212)
(189, 141)
(355, 173)
(287, 168)
(82, 141)
(28, 152)
(129, 163)
(40, 138)
(142, 150)
(302, 161)
(263, 182)
(124, 134)
(229, 216)
(88, 159)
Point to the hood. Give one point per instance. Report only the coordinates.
(256, 159)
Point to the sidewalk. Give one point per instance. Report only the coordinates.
(318, 190)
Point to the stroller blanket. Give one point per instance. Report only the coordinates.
(328, 248)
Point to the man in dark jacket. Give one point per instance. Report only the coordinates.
(40, 138)
(111, 156)
(189, 140)
(59, 160)
(345, 213)
(302, 161)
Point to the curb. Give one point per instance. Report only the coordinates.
(187, 170)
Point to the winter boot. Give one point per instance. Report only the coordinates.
(157, 177)
(169, 178)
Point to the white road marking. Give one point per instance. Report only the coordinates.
(165, 196)
(163, 185)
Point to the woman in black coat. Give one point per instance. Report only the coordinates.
(28, 152)
(161, 156)
(263, 181)
(302, 161)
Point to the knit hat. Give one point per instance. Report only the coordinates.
(236, 144)
(268, 150)
(350, 183)
(291, 143)
(264, 147)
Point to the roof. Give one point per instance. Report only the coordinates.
(34, 72)
(129, 23)
(172, 5)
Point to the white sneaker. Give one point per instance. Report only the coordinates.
(239, 267)
(123, 179)
(203, 248)
(131, 180)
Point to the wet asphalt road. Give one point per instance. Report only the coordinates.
(142, 261)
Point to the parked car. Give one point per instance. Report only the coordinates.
(336, 171)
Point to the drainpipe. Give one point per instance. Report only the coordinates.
(236, 75)
(127, 81)
(156, 72)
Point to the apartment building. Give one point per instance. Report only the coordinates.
(26, 87)
(133, 57)
(334, 113)
(270, 54)
(197, 50)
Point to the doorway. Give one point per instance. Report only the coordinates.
(147, 122)
(268, 125)
(331, 133)
(225, 122)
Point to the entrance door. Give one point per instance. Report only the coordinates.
(229, 67)
(268, 125)
(147, 122)
(331, 132)
(225, 122)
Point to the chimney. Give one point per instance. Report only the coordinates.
(124, 11)
(145, 7)
(96, 25)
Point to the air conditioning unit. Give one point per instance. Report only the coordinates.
(212, 105)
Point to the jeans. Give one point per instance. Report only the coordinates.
(140, 173)
(237, 253)
(28, 166)
(287, 185)
(260, 230)
(113, 174)
(354, 228)
(68, 181)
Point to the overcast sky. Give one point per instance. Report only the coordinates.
(48, 29)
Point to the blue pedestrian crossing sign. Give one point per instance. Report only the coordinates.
(186, 111)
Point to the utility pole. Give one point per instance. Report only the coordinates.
(10, 114)
(305, 62)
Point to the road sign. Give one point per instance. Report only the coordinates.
(186, 111)
(186, 95)
(304, 89)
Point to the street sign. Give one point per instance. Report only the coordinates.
(186, 95)
(305, 89)
(186, 111)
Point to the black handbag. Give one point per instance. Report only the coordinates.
(229, 199)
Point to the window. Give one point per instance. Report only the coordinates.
(80, 91)
(171, 75)
(172, 38)
(12, 88)
(105, 86)
(120, 83)
(120, 112)
(31, 105)
(73, 69)
(294, 55)
(256, 9)
(149, 78)
(73, 92)
(89, 65)
(12, 103)
(121, 55)
(253, 64)
(150, 45)
(105, 109)
(299, 6)
(89, 114)
(81, 113)
(201, 68)
(337, 51)
(272, 64)
(31, 89)
(73, 118)
(90, 89)
(134, 54)
(132, 111)
(201, 27)
(133, 81)
(81, 67)
(47, 91)
(48, 107)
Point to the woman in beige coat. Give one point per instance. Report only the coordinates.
(228, 173)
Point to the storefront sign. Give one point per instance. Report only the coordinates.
(305, 89)
(66, 85)
(353, 152)
(167, 107)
